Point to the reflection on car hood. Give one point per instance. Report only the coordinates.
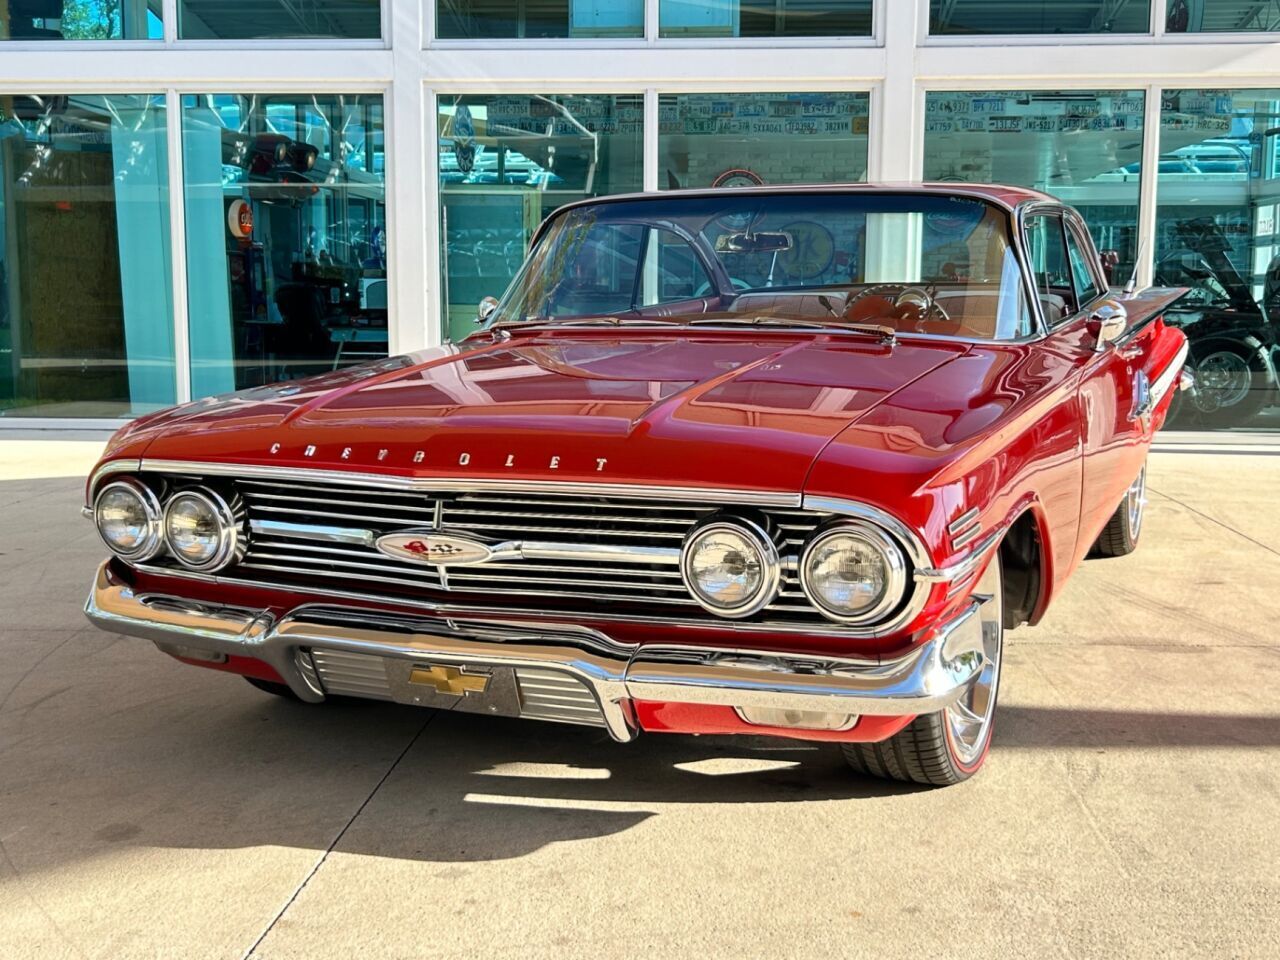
(730, 410)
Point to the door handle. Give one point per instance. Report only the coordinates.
(1132, 352)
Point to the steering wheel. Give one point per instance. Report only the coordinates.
(921, 299)
(703, 290)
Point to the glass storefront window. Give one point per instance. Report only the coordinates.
(506, 162)
(279, 19)
(712, 139)
(86, 318)
(1221, 16)
(1218, 200)
(286, 235)
(80, 20)
(508, 19)
(1082, 146)
(764, 18)
(960, 17)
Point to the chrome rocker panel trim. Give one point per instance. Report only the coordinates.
(929, 678)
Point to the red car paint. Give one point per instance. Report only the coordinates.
(923, 429)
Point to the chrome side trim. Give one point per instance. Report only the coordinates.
(929, 678)
(965, 566)
(1163, 383)
(960, 539)
(962, 521)
(761, 498)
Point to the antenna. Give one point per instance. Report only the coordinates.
(1132, 285)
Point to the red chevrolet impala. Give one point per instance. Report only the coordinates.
(761, 461)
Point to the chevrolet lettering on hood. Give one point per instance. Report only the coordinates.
(684, 477)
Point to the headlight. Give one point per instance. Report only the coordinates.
(127, 514)
(731, 567)
(201, 529)
(853, 572)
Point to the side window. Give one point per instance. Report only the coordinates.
(1085, 286)
(1050, 267)
(671, 271)
(599, 275)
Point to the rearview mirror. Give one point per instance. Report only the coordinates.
(753, 242)
(486, 308)
(1108, 322)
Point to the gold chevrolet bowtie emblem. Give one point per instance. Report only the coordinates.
(449, 680)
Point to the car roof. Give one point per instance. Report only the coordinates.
(1003, 195)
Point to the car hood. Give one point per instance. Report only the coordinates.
(744, 411)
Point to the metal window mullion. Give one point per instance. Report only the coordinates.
(436, 312)
(1159, 16)
(169, 20)
(651, 14)
(650, 171)
(178, 246)
(1148, 184)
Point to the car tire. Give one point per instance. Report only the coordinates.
(1119, 537)
(1220, 363)
(275, 689)
(947, 747)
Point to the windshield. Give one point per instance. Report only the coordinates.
(921, 263)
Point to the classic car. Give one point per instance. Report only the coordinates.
(783, 462)
(1232, 337)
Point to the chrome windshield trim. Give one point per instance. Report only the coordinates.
(452, 484)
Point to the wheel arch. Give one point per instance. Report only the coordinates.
(1026, 567)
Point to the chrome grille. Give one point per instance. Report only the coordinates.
(551, 695)
(356, 515)
(346, 674)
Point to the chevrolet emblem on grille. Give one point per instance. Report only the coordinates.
(450, 680)
(426, 546)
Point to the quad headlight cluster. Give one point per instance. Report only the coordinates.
(198, 526)
(851, 570)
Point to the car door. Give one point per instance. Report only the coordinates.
(1115, 391)
(1111, 383)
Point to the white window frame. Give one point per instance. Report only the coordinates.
(898, 65)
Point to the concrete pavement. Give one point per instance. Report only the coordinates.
(1131, 806)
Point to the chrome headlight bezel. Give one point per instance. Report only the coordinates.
(153, 542)
(228, 544)
(758, 539)
(897, 572)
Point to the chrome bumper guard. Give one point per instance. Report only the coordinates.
(930, 677)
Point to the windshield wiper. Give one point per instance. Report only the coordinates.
(578, 322)
(883, 333)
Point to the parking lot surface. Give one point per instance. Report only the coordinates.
(1131, 805)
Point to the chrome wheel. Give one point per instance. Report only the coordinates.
(1223, 379)
(1135, 500)
(968, 720)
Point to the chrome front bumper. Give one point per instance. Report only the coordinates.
(930, 677)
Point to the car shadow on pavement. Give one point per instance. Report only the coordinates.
(1044, 727)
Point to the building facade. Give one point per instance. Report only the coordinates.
(204, 195)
